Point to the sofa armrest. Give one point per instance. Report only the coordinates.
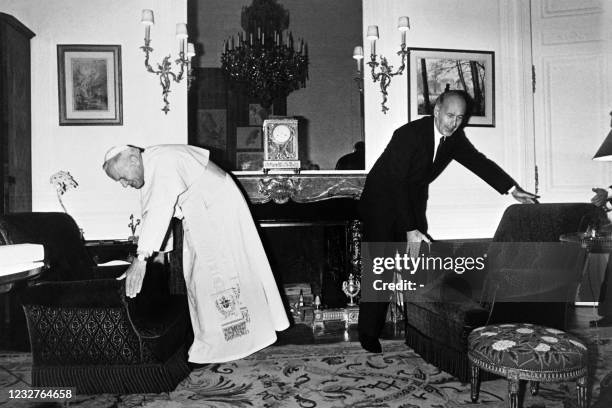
(76, 294)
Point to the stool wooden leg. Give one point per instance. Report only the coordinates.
(513, 392)
(475, 383)
(581, 388)
(534, 387)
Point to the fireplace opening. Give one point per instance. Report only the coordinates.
(317, 254)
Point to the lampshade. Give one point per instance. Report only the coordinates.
(605, 150)
(358, 52)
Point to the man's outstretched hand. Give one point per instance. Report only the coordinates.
(600, 197)
(134, 276)
(414, 239)
(524, 197)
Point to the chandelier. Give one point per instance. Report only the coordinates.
(264, 59)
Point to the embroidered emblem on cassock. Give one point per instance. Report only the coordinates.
(234, 316)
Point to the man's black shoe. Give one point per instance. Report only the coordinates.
(370, 343)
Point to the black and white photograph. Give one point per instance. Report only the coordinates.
(306, 203)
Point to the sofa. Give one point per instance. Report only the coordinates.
(83, 331)
(529, 276)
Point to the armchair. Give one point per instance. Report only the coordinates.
(84, 332)
(529, 277)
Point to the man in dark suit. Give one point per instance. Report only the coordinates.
(394, 199)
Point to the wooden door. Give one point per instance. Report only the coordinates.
(15, 126)
(572, 97)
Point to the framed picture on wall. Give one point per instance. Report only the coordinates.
(432, 71)
(257, 114)
(89, 84)
(211, 129)
(249, 138)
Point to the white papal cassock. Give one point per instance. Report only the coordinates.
(234, 302)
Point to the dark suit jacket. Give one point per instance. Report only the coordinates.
(394, 198)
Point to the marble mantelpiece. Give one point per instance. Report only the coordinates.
(301, 188)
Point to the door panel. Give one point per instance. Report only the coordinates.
(571, 102)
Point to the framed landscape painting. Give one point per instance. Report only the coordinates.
(89, 84)
(432, 71)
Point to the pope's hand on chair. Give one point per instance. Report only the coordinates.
(134, 276)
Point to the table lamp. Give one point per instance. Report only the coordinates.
(605, 150)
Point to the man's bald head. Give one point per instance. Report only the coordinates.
(450, 111)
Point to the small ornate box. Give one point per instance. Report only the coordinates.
(280, 144)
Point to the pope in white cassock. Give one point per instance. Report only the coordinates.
(234, 303)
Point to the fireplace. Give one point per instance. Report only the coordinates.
(314, 243)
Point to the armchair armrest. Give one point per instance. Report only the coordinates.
(531, 285)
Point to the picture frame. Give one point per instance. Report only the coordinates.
(249, 138)
(249, 161)
(257, 114)
(470, 70)
(211, 132)
(89, 85)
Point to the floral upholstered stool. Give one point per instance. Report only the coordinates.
(530, 353)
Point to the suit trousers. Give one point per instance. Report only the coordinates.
(377, 227)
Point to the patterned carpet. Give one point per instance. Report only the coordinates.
(335, 375)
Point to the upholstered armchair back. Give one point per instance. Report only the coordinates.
(65, 253)
(529, 271)
(546, 222)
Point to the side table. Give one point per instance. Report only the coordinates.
(597, 243)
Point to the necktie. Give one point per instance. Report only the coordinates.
(439, 146)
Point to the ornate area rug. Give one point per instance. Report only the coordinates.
(334, 375)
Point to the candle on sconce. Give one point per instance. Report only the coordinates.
(148, 20)
(358, 55)
(181, 34)
(403, 24)
(372, 35)
(181, 30)
(251, 38)
(190, 50)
